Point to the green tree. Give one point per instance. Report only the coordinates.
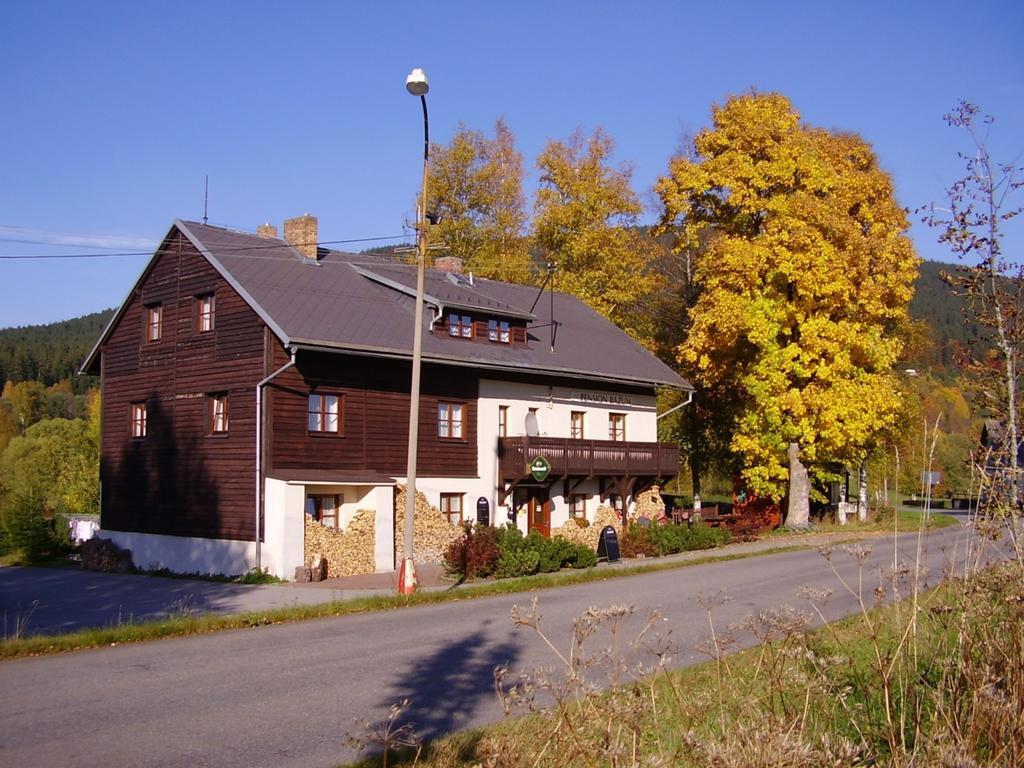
(27, 401)
(584, 217)
(55, 461)
(805, 283)
(475, 189)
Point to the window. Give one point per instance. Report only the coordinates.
(451, 507)
(449, 420)
(218, 413)
(138, 423)
(497, 330)
(617, 426)
(460, 325)
(502, 421)
(154, 322)
(577, 505)
(204, 313)
(323, 509)
(615, 501)
(324, 413)
(576, 425)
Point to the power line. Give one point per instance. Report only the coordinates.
(218, 249)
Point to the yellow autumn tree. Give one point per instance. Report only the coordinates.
(584, 217)
(475, 189)
(805, 282)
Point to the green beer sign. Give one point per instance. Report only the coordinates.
(539, 468)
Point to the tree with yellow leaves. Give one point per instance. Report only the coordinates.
(475, 189)
(584, 214)
(804, 282)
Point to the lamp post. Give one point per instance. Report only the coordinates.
(416, 83)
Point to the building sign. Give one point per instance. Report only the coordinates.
(602, 398)
(608, 544)
(483, 511)
(540, 468)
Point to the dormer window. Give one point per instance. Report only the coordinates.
(460, 325)
(498, 330)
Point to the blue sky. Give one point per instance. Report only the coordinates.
(115, 112)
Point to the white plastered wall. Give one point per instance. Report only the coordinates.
(283, 527)
(184, 554)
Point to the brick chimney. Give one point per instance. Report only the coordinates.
(301, 234)
(448, 264)
(267, 230)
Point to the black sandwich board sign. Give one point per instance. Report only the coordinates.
(539, 468)
(483, 511)
(608, 544)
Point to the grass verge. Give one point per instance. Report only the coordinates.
(189, 624)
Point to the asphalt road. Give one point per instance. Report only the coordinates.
(288, 695)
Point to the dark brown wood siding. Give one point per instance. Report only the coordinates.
(375, 416)
(180, 480)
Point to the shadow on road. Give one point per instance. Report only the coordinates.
(446, 688)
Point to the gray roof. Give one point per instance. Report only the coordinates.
(364, 304)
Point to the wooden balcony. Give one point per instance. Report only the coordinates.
(587, 458)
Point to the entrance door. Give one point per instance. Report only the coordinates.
(538, 509)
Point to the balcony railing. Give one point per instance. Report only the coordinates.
(587, 458)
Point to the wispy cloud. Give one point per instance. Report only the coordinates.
(10, 233)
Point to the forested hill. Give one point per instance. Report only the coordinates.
(941, 312)
(52, 352)
(49, 353)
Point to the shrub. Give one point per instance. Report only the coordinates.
(475, 553)
(515, 558)
(584, 557)
(683, 538)
(482, 551)
(517, 562)
(24, 531)
(637, 542)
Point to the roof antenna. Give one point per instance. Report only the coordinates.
(206, 197)
(554, 323)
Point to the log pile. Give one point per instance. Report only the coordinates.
(104, 555)
(348, 552)
(588, 535)
(649, 504)
(432, 533)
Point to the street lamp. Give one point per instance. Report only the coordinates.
(416, 83)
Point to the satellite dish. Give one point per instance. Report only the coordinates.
(532, 429)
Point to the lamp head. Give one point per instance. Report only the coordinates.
(416, 82)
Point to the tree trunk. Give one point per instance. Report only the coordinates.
(862, 492)
(798, 511)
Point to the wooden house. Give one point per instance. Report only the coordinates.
(253, 385)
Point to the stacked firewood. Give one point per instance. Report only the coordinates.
(348, 552)
(104, 555)
(649, 504)
(432, 533)
(588, 535)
